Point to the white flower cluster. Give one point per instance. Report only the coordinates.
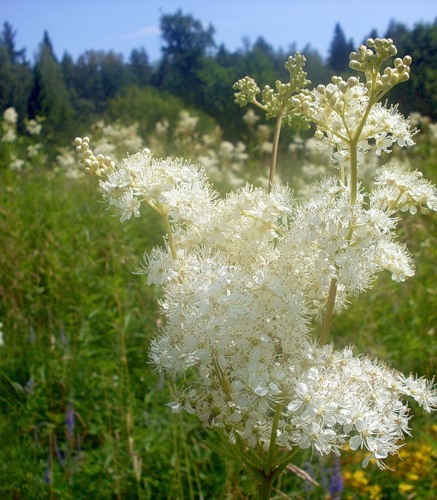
(244, 277)
(26, 152)
(335, 109)
(347, 113)
(403, 190)
(116, 139)
(247, 275)
(9, 125)
(173, 187)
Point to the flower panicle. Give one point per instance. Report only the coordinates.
(370, 57)
(277, 102)
(245, 277)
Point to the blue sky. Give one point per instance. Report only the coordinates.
(122, 25)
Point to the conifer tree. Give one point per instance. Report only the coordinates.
(49, 96)
(339, 51)
(140, 66)
(16, 76)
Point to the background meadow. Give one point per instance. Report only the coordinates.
(83, 414)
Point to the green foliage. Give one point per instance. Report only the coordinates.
(191, 68)
(49, 95)
(151, 106)
(420, 92)
(184, 51)
(140, 67)
(16, 76)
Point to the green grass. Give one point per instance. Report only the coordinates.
(77, 324)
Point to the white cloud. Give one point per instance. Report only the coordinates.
(142, 33)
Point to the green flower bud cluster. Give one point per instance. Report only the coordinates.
(98, 165)
(248, 90)
(371, 57)
(294, 66)
(277, 101)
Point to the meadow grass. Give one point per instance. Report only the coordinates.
(76, 324)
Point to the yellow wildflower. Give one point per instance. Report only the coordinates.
(374, 492)
(405, 487)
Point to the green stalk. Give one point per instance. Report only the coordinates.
(353, 151)
(169, 234)
(265, 488)
(161, 211)
(272, 445)
(274, 158)
(188, 469)
(329, 312)
(353, 171)
(177, 464)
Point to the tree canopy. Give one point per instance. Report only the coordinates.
(193, 68)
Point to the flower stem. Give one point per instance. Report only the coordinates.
(265, 488)
(329, 312)
(274, 158)
(169, 234)
(353, 172)
(272, 445)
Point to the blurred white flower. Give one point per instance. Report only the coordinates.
(10, 116)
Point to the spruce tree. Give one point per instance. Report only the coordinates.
(339, 51)
(49, 96)
(16, 76)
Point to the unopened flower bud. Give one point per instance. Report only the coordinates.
(379, 85)
(352, 81)
(356, 65)
(392, 50)
(343, 86)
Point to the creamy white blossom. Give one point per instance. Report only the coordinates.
(10, 116)
(400, 189)
(245, 277)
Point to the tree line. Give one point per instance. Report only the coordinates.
(193, 68)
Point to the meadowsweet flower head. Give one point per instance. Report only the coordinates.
(171, 186)
(245, 277)
(34, 126)
(400, 189)
(338, 110)
(277, 102)
(10, 116)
